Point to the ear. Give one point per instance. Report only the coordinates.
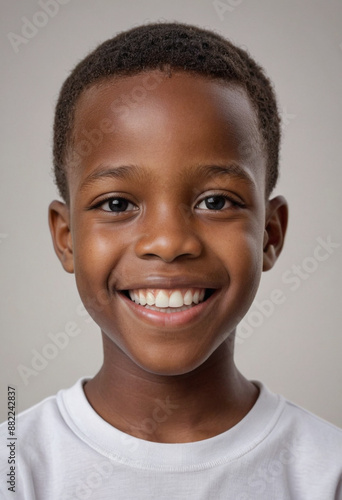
(275, 229)
(59, 223)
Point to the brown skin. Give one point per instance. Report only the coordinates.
(168, 231)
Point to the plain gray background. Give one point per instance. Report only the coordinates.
(295, 346)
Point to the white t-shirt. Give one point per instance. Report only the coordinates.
(66, 451)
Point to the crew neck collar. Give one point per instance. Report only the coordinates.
(139, 453)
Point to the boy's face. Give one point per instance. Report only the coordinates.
(168, 196)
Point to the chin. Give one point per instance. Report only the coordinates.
(170, 363)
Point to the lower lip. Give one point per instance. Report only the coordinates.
(175, 319)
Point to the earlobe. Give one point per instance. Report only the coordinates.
(275, 229)
(59, 223)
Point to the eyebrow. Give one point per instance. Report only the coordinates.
(120, 172)
(232, 169)
(129, 171)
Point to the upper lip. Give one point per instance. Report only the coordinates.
(170, 282)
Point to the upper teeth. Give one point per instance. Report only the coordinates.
(167, 298)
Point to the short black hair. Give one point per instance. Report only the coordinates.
(167, 46)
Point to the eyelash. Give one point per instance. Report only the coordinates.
(106, 200)
(235, 204)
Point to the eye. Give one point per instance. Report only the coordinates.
(216, 202)
(116, 205)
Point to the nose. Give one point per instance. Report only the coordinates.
(168, 234)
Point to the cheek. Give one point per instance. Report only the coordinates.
(240, 246)
(96, 251)
(248, 256)
(242, 255)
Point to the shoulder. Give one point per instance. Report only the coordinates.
(34, 419)
(40, 428)
(311, 422)
(298, 451)
(23, 445)
(38, 447)
(304, 440)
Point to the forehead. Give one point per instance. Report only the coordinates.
(179, 119)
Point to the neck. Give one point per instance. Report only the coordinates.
(183, 408)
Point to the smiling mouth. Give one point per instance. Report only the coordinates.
(169, 301)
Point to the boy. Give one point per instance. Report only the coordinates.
(166, 153)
